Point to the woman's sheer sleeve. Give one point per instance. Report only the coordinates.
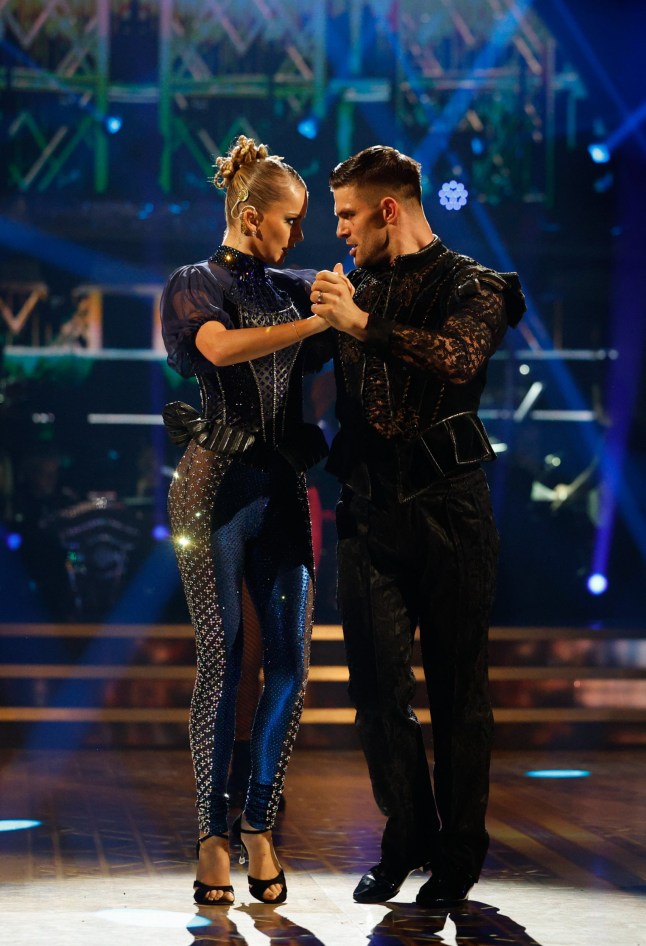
(318, 349)
(191, 297)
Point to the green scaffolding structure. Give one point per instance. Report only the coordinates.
(54, 52)
(486, 76)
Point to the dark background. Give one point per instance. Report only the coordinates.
(538, 204)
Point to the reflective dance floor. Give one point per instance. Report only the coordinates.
(109, 859)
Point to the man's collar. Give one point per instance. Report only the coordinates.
(409, 262)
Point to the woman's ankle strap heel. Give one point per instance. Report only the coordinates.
(237, 831)
(206, 837)
(201, 890)
(257, 887)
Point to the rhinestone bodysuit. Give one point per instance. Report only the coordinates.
(232, 521)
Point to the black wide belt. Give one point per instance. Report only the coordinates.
(302, 449)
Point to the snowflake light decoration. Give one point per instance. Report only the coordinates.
(453, 195)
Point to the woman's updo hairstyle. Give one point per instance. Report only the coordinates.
(251, 177)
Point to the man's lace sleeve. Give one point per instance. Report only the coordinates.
(457, 351)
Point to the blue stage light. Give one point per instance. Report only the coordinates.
(146, 211)
(113, 124)
(14, 541)
(599, 152)
(308, 127)
(558, 773)
(453, 195)
(18, 824)
(477, 146)
(160, 533)
(597, 584)
(603, 184)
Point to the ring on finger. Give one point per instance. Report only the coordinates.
(320, 299)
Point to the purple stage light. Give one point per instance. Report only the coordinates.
(597, 584)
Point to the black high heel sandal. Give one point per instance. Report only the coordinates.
(257, 887)
(201, 890)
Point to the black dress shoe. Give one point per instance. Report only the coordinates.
(379, 884)
(443, 890)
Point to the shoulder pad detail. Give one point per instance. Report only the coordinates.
(475, 279)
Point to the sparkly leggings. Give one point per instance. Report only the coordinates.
(232, 521)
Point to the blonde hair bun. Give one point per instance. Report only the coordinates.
(250, 176)
(243, 151)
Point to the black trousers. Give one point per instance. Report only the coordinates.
(430, 562)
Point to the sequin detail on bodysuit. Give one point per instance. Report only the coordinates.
(229, 520)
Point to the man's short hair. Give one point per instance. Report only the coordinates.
(382, 167)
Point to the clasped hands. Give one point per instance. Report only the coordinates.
(331, 298)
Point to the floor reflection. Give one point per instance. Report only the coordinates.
(279, 930)
(221, 929)
(472, 923)
(114, 843)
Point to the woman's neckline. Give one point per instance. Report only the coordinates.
(237, 262)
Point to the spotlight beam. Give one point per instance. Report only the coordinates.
(559, 370)
(589, 54)
(436, 142)
(624, 131)
(53, 80)
(95, 267)
(158, 572)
